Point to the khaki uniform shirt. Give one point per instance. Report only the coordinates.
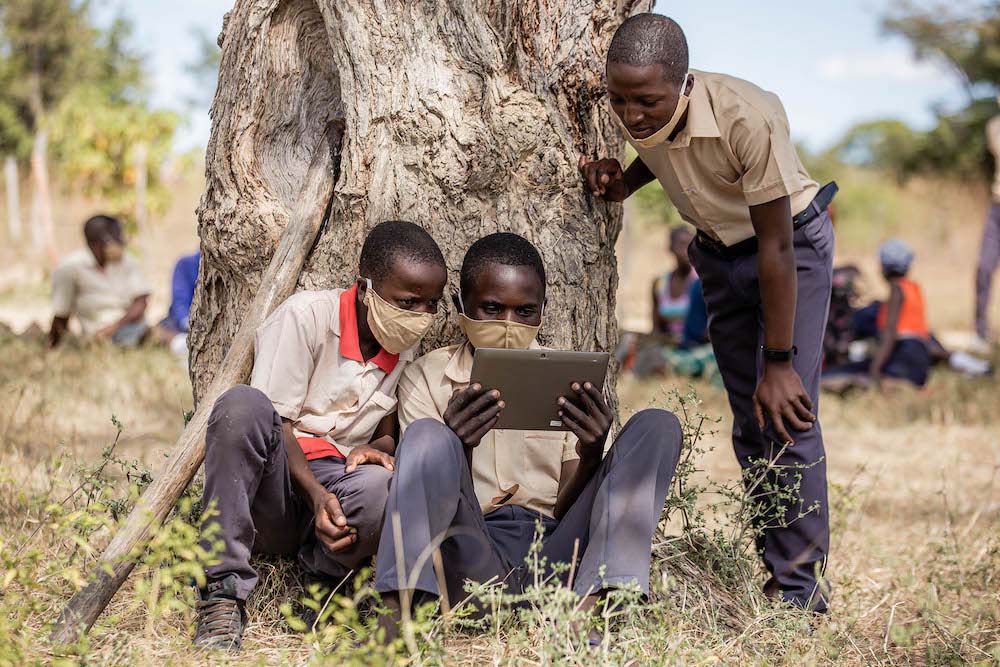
(508, 467)
(735, 151)
(308, 361)
(97, 296)
(993, 141)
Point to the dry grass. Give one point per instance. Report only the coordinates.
(915, 502)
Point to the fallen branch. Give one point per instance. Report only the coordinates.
(277, 283)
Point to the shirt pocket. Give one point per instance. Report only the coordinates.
(542, 459)
(357, 429)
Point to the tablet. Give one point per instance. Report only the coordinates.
(531, 381)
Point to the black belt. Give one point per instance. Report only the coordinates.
(815, 208)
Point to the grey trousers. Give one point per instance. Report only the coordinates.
(989, 259)
(612, 520)
(257, 508)
(794, 548)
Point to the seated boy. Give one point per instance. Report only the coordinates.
(102, 286)
(485, 489)
(299, 462)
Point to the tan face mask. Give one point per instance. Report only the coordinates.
(113, 252)
(497, 333)
(661, 135)
(395, 329)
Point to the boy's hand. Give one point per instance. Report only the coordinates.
(604, 178)
(472, 412)
(590, 424)
(331, 525)
(780, 396)
(367, 454)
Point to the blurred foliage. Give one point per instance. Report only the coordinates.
(86, 85)
(966, 36)
(95, 143)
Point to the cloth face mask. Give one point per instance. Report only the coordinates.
(661, 135)
(497, 333)
(395, 329)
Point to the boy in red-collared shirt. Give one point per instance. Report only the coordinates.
(298, 463)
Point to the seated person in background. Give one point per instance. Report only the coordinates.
(172, 329)
(285, 459)
(671, 291)
(102, 286)
(483, 490)
(904, 351)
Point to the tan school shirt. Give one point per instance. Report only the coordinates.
(735, 151)
(508, 467)
(307, 360)
(993, 141)
(98, 296)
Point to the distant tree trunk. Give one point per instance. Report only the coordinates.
(141, 160)
(42, 232)
(465, 117)
(11, 185)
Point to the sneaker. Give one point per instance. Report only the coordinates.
(965, 363)
(980, 346)
(221, 617)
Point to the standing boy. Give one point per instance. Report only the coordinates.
(285, 460)
(721, 149)
(481, 491)
(989, 248)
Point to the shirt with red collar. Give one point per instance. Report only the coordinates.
(307, 360)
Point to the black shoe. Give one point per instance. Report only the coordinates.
(221, 617)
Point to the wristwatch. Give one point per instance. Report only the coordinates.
(778, 354)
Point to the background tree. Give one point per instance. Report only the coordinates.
(465, 117)
(965, 36)
(78, 91)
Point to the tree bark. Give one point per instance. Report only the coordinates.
(11, 185)
(42, 230)
(464, 116)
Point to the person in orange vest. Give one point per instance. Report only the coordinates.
(903, 350)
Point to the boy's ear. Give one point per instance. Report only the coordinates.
(362, 287)
(456, 301)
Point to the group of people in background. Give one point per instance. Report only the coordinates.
(107, 292)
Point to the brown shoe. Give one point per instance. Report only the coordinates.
(221, 617)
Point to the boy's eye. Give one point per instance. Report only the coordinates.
(526, 312)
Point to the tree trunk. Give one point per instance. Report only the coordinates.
(42, 233)
(465, 117)
(11, 185)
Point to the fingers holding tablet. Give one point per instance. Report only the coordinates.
(588, 416)
(472, 412)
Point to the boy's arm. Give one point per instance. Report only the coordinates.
(134, 313)
(384, 438)
(331, 524)
(887, 338)
(605, 178)
(589, 418)
(780, 395)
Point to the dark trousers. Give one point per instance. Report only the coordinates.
(256, 505)
(989, 259)
(612, 521)
(794, 548)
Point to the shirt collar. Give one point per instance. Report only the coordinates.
(459, 367)
(350, 344)
(701, 121)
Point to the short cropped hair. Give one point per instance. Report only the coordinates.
(504, 249)
(651, 39)
(394, 239)
(100, 228)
